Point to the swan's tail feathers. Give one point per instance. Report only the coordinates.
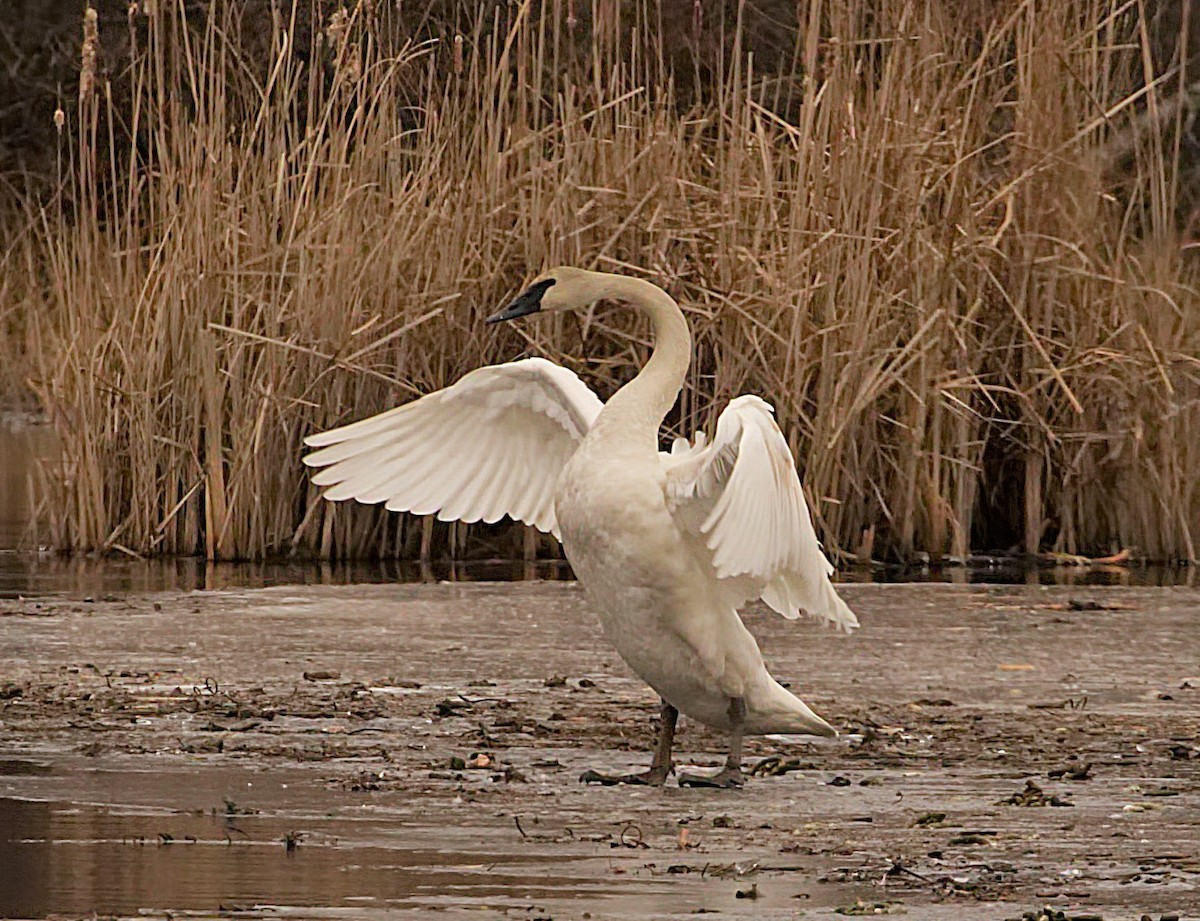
(812, 593)
(777, 710)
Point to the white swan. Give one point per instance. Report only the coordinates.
(667, 545)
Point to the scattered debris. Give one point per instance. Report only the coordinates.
(733, 870)
(1070, 703)
(451, 706)
(1048, 913)
(1072, 772)
(1087, 604)
(778, 765)
(630, 836)
(232, 808)
(1074, 559)
(871, 908)
(967, 840)
(365, 782)
(942, 757)
(751, 893)
(1033, 795)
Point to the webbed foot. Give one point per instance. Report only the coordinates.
(728, 778)
(655, 777)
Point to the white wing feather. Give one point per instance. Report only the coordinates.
(740, 498)
(490, 445)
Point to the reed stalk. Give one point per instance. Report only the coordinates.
(946, 246)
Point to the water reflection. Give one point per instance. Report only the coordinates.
(25, 574)
(60, 858)
(23, 442)
(1018, 572)
(49, 574)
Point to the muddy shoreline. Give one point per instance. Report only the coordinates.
(1003, 748)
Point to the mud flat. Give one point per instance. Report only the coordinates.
(414, 751)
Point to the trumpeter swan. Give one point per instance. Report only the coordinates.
(668, 546)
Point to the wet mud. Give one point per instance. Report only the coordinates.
(414, 751)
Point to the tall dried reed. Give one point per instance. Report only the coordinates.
(943, 244)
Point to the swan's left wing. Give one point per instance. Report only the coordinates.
(740, 496)
(490, 445)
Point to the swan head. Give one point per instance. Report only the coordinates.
(562, 288)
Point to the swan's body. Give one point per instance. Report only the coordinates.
(667, 545)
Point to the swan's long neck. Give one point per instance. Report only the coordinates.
(635, 413)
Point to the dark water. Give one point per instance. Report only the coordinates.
(31, 574)
(26, 572)
(23, 441)
(69, 858)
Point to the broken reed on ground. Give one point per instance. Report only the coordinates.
(916, 243)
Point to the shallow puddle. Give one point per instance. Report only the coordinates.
(65, 858)
(16, 767)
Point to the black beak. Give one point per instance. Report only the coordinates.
(529, 302)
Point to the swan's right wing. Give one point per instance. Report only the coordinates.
(490, 445)
(740, 500)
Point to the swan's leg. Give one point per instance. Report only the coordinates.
(660, 767)
(731, 774)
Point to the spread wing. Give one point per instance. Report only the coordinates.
(490, 445)
(740, 499)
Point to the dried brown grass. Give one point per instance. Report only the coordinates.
(917, 243)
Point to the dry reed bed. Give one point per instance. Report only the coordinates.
(912, 244)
